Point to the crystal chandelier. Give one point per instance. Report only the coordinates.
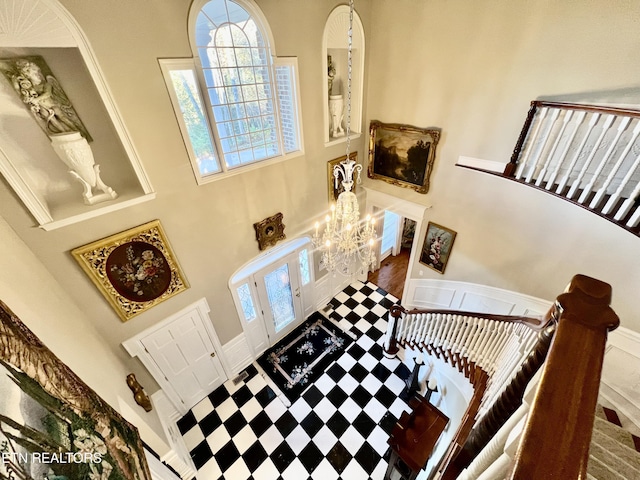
(346, 241)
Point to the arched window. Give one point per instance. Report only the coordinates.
(237, 86)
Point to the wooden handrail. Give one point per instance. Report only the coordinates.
(555, 441)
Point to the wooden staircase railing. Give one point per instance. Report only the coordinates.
(500, 354)
(588, 155)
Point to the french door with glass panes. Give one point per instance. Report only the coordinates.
(280, 297)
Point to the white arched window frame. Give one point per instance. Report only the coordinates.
(237, 105)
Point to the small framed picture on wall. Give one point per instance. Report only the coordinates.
(437, 247)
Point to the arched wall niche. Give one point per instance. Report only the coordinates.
(335, 45)
(28, 162)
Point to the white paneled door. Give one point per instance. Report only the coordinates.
(184, 353)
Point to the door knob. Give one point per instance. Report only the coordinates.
(213, 354)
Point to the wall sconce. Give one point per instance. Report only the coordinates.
(139, 395)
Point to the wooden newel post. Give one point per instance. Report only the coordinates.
(556, 437)
(390, 343)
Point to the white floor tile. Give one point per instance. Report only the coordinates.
(325, 471)
(325, 409)
(355, 472)
(202, 409)
(209, 471)
(300, 409)
(218, 439)
(266, 471)
(324, 440)
(295, 471)
(349, 409)
(251, 409)
(226, 409)
(238, 470)
(375, 410)
(352, 440)
(193, 438)
(271, 439)
(298, 439)
(244, 439)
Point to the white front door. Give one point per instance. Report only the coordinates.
(184, 353)
(280, 297)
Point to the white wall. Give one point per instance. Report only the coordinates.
(472, 68)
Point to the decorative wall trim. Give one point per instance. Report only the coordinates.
(178, 456)
(489, 165)
(448, 294)
(620, 383)
(238, 354)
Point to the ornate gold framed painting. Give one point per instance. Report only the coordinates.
(402, 155)
(134, 270)
(437, 247)
(331, 179)
(269, 231)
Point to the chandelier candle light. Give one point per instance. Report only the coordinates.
(347, 242)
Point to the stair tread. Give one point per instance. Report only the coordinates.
(600, 471)
(619, 457)
(611, 430)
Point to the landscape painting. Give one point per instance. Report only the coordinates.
(402, 155)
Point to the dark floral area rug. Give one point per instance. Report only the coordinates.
(303, 355)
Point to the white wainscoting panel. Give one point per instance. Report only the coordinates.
(446, 294)
(238, 354)
(620, 383)
(433, 297)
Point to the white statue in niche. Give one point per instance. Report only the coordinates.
(336, 112)
(41, 92)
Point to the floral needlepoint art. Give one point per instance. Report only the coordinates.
(134, 270)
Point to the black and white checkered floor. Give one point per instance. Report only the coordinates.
(337, 429)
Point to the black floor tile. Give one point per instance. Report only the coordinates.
(254, 456)
(218, 396)
(338, 424)
(363, 424)
(260, 423)
(209, 423)
(337, 396)
(312, 424)
(361, 396)
(201, 454)
(310, 456)
(313, 396)
(187, 422)
(265, 396)
(242, 395)
(227, 455)
(235, 423)
(368, 458)
(339, 457)
(336, 372)
(282, 456)
(286, 423)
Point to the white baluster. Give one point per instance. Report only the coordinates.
(579, 118)
(547, 136)
(565, 179)
(594, 149)
(565, 121)
(603, 190)
(532, 141)
(605, 159)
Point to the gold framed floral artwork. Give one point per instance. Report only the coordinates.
(331, 179)
(134, 270)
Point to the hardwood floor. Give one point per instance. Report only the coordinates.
(392, 273)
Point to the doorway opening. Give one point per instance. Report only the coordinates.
(395, 251)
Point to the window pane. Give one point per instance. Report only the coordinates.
(226, 57)
(185, 88)
(243, 57)
(239, 37)
(208, 57)
(237, 111)
(303, 259)
(259, 56)
(246, 301)
(222, 36)
(247, 75)
(280, 297)
(221, 113)
(230, 76)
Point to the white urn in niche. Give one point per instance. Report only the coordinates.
(336, 112)
(74, 150)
